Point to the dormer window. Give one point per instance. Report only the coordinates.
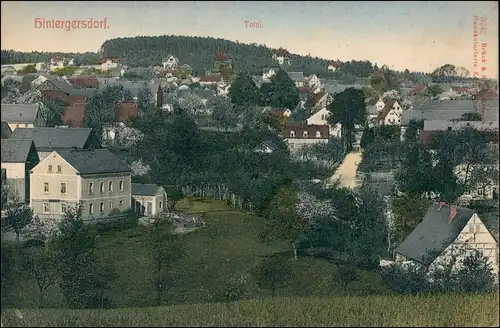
(449, 128)
(292, 134)
(318, 134)
(304, 134)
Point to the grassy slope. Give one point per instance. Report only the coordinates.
(228, 246)
(374, 311)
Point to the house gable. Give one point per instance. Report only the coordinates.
(54, 159)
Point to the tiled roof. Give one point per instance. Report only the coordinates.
(84, 81)
(416, 90)
(19, 113)
(60, 84)
(74, 115)
(94, 161)
(311, 130)
(296, 76)
(6, 131)
(144, 189)
(210, 78)
(54, 138)
(387, 108)
(431, 237)
(305, 90)
(15, 150)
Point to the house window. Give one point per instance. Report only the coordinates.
(120, 185)
(323, 117)
(292, 134)
(101, 187)
(46, 208)
(478, 228)
(110, 204)
(91, 208)
(121, 202)
(101, 207)
(91, 188)
(63, 187)
(110, 186)
(25, 125)
(480, 192)
(63, 208)
(160, 204)
(59, 169)
(449, 128)
(318, 134)
(292, 145)
(50, 168)
(45, 187)
(304, 134)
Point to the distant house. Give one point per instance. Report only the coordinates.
(109, 63)
(299, 135)
(170, 62)
(333, 65)
(94, 178)
(48, 140)
(418, 89)
(209, 80)
(443, 229)
(298, 78)
(148, 199)
(391, 113)
(18, 158)
(62, 90)
(313, 82)
(59, 62)
(22, 115)
(8, 70)
(320, 100)
(270, 145)
(487, 94)
(267, 74)
(321, 118)
(84, 81)
(6, 130)
(281, 56)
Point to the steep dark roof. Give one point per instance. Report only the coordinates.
(19, 113)
(431, 237)
(6, 131)
(15, 150)
(94, 161)
(54, 138)
(144, 189)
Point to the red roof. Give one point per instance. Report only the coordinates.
(305, 89)
(113, 59)
(125, 111)
(74, 115)
(210, 78)
(487, 94)
(461, 89)
(84, 81)
(61, 96)
(311, 130)
(416, 90)
(221, 56)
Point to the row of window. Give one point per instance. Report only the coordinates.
(305, 134)
(46, 207)
(59, 169)
(25, 125)
(46, 187)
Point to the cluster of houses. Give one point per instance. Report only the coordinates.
(53, 168)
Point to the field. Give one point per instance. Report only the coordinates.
(225, 249)
(372, 311)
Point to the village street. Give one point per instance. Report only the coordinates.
(346, 172)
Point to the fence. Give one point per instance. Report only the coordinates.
(217, 192)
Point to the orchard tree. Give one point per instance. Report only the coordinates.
(40, 265)
(284, 93)
(378, 83)
(272, 273)
(19, 215)
(243, 91)
(223, 113)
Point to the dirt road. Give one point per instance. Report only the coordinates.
(346, 172)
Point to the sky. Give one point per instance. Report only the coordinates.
(420, 35)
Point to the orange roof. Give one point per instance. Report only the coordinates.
(74, 115)
(210, 78)
(113, 59)
(85, 81)
(125, 111)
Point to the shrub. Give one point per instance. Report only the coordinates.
(33, 243)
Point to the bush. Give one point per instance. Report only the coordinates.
(33, 243)
(128, 221)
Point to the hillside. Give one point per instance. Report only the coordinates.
(369, 311)
(18, 57)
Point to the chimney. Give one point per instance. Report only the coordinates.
(441, 204)
(453, 212)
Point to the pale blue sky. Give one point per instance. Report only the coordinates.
(415, 35)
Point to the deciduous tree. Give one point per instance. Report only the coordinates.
(40, 265)
(19, 215)
(272, 273)
(283, 92)
(243, 91)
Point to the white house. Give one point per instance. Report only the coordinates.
(321, 118)
(298, 78)
(333, 65)
(299, 135)
(313, 82)
(391, 113)
(266, 76)
(109, 63)
(281, 56)
(148, 199)
(57, 63)
(446, 228)
(170, 62)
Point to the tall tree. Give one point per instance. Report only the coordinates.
(145, 100)
(243, 91)
(223, 112)
(284, 93)
(349, 109)
(40, 265)
(52, 111)
(19, 215)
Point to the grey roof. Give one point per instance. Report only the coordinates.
(205, 94)
(442, 125)
(458, 104)
(431, 237)
(135, 87)
(19, 113)
(87, 92)
(54, 138)
(445, 115)
(106, 80)
(332, 89)
(6, 131)
(297, 76)
(93, 161)
(62, 85)
(15, 150)
(145, 189)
